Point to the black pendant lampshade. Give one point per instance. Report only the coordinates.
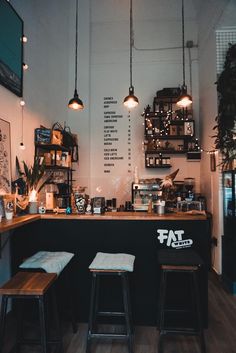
(131, 100)
(76, 103)
(184, 99)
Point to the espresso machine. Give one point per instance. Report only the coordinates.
(143, 193)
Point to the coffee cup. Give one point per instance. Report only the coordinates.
(9, 215)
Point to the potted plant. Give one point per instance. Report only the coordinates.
(225, 138)
(34, 178)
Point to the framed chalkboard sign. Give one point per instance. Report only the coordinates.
(5, 157)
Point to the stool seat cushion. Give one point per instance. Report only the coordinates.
(179, 257)
(113, 262)
(49, 261)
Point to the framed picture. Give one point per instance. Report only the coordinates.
(189, 128)
(173, 130)
(11, 44)
(74, 154)
(213, 161)
(5, 157)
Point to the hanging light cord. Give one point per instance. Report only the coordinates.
(76, 44)
(183, 42)
(22, 122)
(131, 36)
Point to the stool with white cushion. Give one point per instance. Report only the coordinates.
(105, 264)
(52, 262)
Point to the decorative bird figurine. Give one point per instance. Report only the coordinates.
(168, 181)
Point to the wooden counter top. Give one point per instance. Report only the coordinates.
(131, 216)
(19, 221)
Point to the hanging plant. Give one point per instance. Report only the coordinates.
(225, 138)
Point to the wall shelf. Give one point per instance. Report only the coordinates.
(169, 130)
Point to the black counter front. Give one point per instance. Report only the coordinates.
(142, 238)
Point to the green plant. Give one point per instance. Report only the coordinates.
(34, 176)
(225, 138)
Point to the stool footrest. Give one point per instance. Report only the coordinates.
(37, 342)
(104, 335)
(182, 331)
(110, 313)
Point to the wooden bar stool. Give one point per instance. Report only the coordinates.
(178, 262)
(54, 262)
(119, 265)
(30, 285)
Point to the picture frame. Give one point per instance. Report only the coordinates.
(189, 128)
(74, 154)
(11, 44)
(173, 130)
(213, 162)
(5, 157)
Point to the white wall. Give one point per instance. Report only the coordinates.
(157, 25)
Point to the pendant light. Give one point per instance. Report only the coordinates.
(131, 100)
(184, 100)
(76, 103)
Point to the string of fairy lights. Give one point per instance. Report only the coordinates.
(22, 101)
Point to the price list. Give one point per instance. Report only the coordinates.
(116, 137)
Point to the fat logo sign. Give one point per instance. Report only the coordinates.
(173, 238)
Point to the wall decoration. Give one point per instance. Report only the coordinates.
(5, 157)
(11, 48)
(189, 128)
(213, 161)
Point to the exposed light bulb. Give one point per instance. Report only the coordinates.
(76, 106)
(25, 66)
(22, 146)
(131, 103)
(22, 103)
(24, 39)
(184, 102)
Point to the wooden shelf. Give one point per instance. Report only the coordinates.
(169, 137)
(52, 147)
(166, 152)
(56, 167)
(159, 166)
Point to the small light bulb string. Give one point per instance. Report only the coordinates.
(213, 151)
(22, 104)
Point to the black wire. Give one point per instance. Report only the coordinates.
(76, 44)
(22, 122)
(183, 43)
(131, 42)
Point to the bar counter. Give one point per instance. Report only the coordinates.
(19, 221)
(137, 233)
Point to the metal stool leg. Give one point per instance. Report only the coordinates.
(199, 315)
(127, 311)
(42, 324)
(91, 312)
(57, 320)
(19, 326)
(162, 309)
(3, 320)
